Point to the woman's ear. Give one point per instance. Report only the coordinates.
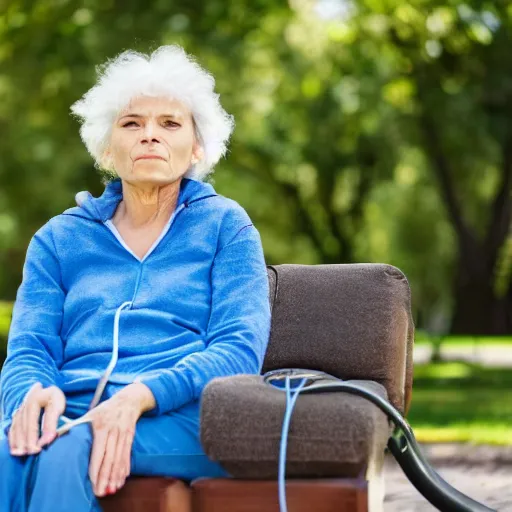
(107, 161)
(197, 154)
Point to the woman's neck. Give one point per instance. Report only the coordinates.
(146, 204)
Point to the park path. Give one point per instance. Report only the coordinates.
(487, 355)
(482, 472)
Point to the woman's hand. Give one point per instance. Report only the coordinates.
(23, 434)
(113, 423)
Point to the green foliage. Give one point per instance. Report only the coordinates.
(459, 402)
(5, 322)
(347, 126)
(5, 317)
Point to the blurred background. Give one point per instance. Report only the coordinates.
(366, 131)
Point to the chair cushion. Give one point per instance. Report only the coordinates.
(331, 434)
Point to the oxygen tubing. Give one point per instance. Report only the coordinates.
(402, 443)
(291, 399)
(69, 423)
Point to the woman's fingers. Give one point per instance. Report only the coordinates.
(24, 431)
(55, 406)
(15, 435)
(115, 474)
(108, 462)
(121, 466)
(102, 458)
(31, 426)
(113, 423)
(97, 454)
(27, 422)
(128, 458)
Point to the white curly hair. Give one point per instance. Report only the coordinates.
(169, 72)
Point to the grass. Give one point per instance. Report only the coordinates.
(423, 338)
(462, 402)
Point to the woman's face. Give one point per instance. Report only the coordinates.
(153, 141)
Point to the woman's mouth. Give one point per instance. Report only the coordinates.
(150, 157)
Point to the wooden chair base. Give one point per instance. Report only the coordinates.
(230, 495)
(151, 494)
(318, 495)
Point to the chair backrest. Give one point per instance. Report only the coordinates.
(353, 321)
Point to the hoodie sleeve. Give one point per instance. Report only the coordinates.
(238, 329)
(34, 347)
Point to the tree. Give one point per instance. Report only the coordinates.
(453, 60)
(377, 133)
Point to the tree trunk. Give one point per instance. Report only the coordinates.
(478, 310)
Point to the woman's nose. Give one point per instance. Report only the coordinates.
(149, 133)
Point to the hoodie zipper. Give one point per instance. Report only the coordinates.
(181, 207)
(166, 229)
(154, 246)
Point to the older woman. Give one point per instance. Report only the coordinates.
(133, 301)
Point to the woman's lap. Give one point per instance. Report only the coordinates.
(166, 445)
(169, 445)
(15, 473)
(56, 479)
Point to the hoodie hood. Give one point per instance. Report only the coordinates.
(103, 207)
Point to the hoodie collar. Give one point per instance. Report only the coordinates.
(103, 207)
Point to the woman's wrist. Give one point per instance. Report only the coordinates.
(140, 395)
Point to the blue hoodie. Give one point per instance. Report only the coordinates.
(194, 308)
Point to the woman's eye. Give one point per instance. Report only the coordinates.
(166, 123)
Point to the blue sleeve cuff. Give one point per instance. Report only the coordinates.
(169, 390)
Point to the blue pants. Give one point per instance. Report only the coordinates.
(57, 478)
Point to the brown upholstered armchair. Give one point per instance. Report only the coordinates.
(352, 321)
